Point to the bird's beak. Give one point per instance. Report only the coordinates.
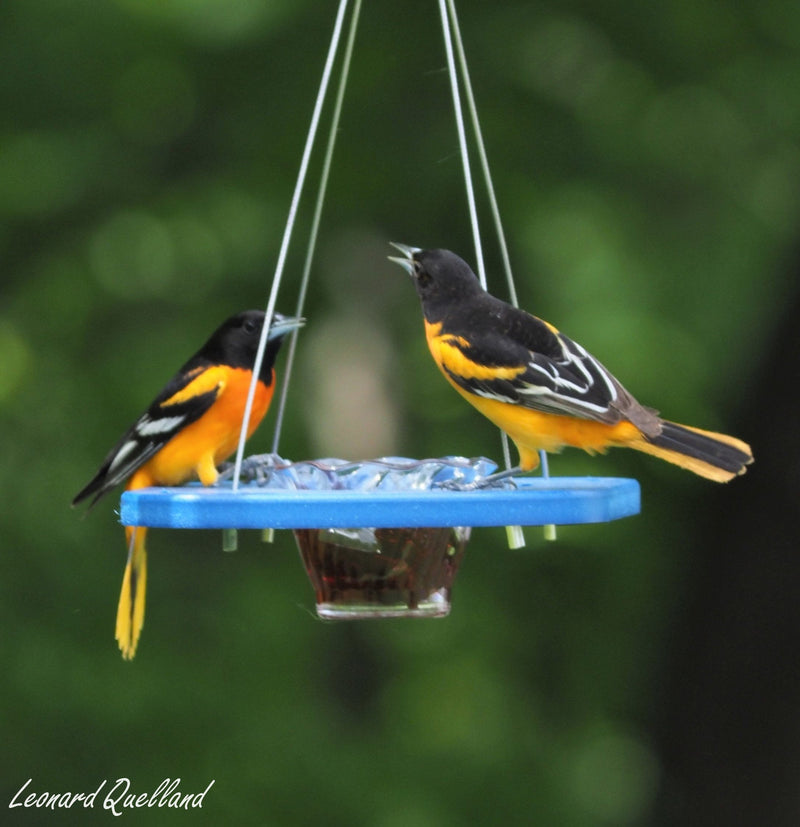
(406, 263)
(281, 325)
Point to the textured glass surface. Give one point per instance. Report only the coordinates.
(384, 473)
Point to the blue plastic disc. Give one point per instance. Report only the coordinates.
(535, 501)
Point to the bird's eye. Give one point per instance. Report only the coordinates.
(422, 276)
(250, 326)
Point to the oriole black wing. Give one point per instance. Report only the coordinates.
(184, 400)
(525, 361)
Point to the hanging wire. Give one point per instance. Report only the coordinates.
(498, 224)
(487, 176)
(462, 142)
(447, 11)
(514, 532)
(270, 311)
(312, 238)
(482, 156)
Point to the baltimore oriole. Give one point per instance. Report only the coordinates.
(191, 427)
(544, 390)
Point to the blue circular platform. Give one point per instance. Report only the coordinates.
(534, 501)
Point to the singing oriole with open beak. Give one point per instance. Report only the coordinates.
(539, 386)
(191, 427)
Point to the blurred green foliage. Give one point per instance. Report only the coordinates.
(646, 158)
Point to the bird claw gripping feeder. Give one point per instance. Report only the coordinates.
(380, 538)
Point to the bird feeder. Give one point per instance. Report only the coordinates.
(385, 537)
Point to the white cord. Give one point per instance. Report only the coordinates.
(515, 538)
(487, 176)
(312, 238)
(462, 142)
(270, 311)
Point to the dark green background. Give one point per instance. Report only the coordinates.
(646, 159)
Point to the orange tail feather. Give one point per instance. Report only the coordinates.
(130, 611)
(717, 457)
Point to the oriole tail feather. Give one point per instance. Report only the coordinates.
(130, 611)
(717, 457)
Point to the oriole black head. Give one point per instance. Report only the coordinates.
(441, 278)
(235, 342)
(232, 345)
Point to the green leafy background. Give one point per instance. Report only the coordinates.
(646, 159)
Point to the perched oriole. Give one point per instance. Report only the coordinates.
(544, 390)
(189, 429)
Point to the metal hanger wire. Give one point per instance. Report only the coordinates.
(452, 35)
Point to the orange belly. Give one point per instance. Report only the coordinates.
(199, 447)
(532, 431)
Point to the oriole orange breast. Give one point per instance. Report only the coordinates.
(200, 446)
(538, 385)
(187, 431)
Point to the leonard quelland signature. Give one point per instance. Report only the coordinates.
(115, 796)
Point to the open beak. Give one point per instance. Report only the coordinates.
(406, 263)
(281, 325)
